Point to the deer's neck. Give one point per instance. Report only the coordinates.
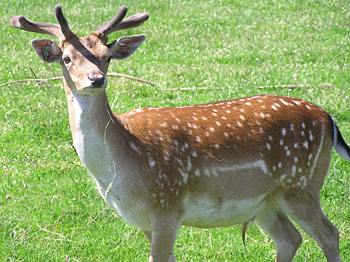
(95, 130)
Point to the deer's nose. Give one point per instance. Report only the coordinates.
(97, 81)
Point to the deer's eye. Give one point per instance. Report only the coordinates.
(66, 60)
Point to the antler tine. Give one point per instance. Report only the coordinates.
(23, 23)
(106, 28)
(117, 23)
(60, 31)
(67, 33)
(132, 21)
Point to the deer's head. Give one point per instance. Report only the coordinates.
(84, 60)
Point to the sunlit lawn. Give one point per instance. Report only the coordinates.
(50, 209)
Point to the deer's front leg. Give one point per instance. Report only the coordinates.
(162, 238)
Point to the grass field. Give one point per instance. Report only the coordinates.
(50, 209)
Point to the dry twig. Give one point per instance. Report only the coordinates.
(296, 86)
(258, 87)
(31, 80)
(60, 78)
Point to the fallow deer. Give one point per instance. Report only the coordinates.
(261, 158)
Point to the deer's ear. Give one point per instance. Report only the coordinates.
(125, 46)
(47, 50)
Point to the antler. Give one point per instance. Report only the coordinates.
(61, 31)
(67, 33)
(23, 23)
(117, 23)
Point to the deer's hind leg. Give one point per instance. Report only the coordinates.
(283, 233)
(304, 207)
(302, 204)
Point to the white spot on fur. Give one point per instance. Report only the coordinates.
(291, 127)
(284, 131)
(306, 144)
(135, 148)
(283, 177)
(268, 146)
(294, 170)
(189, 164)
(303, 181)
(311, 137)
(151, 162)
(197, 172)
(283, 102)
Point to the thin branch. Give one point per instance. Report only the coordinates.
(131, 78)
(192, 88)
(258, 87)
(31, 80)
(60, 78)
(296, 86)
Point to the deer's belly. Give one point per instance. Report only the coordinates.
(207, 212)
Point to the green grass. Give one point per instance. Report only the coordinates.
(49, 206)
